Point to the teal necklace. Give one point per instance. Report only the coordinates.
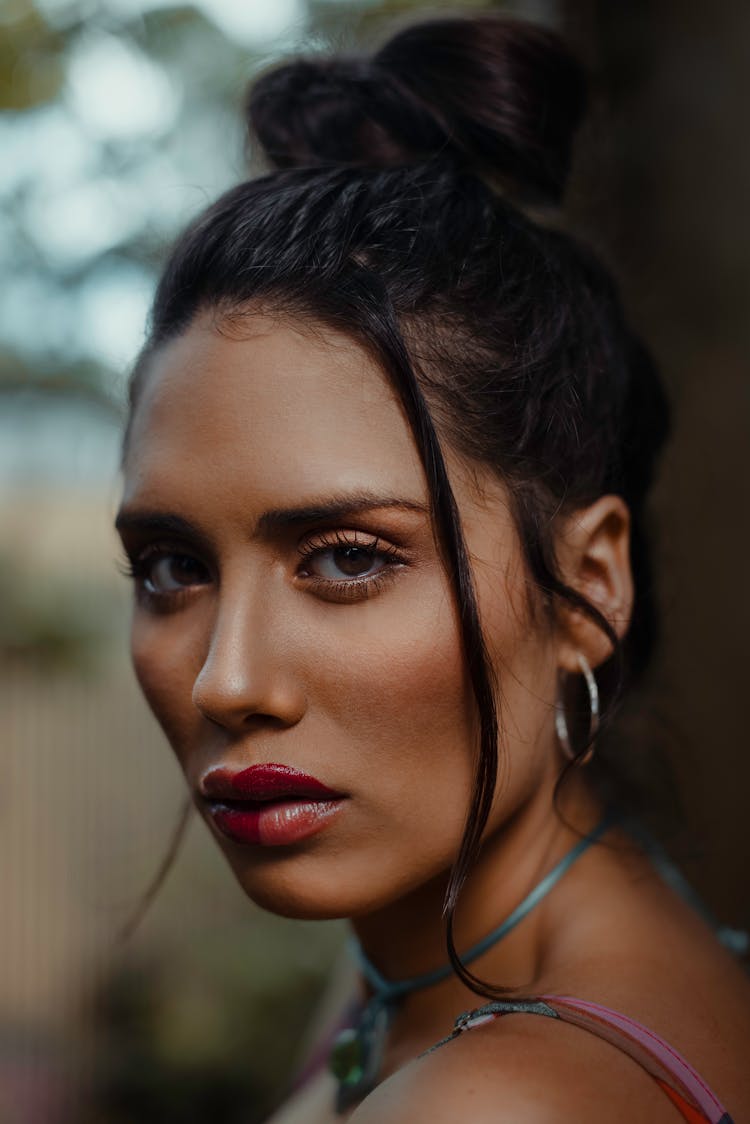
(357, 1052)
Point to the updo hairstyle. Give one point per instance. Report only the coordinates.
(398, 210)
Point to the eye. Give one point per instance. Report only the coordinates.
(163, 576)
(347, 561)
(169, 573)
(347, 565)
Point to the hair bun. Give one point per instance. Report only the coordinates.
(339, 111)
(503, 97)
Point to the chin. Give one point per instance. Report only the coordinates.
(297, 908)
(288, 887)
(297, 902)
(308, 888)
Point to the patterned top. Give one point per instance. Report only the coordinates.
(676, 1077)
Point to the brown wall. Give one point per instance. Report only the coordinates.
(664, 180)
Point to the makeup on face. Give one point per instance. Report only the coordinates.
(341, 559)
(270, 805)
(294, 630)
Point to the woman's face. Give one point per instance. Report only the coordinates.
(291, 610)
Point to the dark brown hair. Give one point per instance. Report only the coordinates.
(397, 212)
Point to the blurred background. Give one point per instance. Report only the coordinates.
(119, 120)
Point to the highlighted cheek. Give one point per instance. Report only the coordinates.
(166, 684)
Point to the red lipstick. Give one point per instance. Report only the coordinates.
(271, 805)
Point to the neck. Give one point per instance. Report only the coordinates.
(502, 928)
(407, 938)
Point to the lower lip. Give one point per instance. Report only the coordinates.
(275, 824)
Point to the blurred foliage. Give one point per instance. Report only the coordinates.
(119, 121)
(32, 57)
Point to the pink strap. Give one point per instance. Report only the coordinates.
(644, 1046)
(674, 1074)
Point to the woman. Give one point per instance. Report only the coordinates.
(385, 470)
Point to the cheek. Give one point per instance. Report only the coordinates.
(520, 646)
(400, 679)
(165, 659)
(398, 692)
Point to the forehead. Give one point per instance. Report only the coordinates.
(273, 408)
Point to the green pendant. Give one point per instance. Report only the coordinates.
(347, 1057)
(358, 1051)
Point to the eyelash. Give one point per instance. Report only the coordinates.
(138, 567)
(353, 589)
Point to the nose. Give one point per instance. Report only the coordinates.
(248, 675)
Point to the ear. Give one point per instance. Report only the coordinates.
(593, 554)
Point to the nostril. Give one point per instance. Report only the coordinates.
(224, 696)
(235, 703)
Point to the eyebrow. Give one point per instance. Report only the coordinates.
(160, 523)
(332, 507)
(275, 519)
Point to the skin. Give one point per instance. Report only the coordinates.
(250, 652)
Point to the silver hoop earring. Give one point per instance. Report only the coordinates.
(561, 722)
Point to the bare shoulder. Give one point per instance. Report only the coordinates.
(519, 1071)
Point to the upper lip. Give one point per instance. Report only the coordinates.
(262, 783)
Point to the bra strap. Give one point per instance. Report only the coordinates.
(651, 1052)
